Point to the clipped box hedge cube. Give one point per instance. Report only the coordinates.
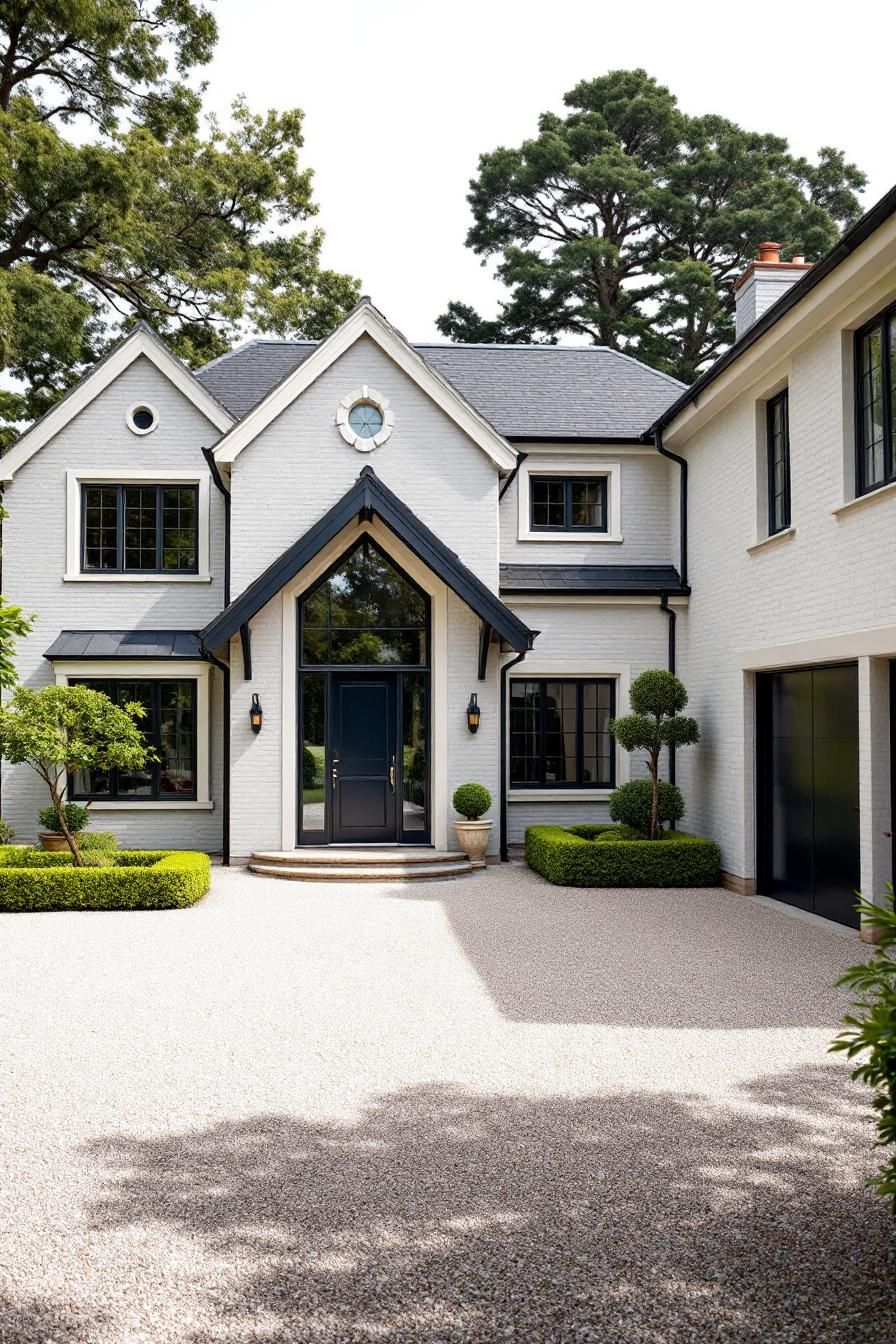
(130, 880)
(575, 857)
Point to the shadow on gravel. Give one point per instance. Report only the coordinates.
(690, 959)
(443, 1216)
(34, 1321)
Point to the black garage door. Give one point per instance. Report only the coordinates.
(808, 765)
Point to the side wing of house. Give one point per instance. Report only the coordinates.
(115, 541)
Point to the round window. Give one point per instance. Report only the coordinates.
(365, 419)
(142, 419)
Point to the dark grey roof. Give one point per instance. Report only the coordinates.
(525, 391)
(634, 580)
(125, 644)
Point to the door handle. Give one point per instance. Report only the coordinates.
(335, 773)
(392, 774)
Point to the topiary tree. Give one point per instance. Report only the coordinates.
(61, 729)
(471, 800)
(656, 699)
(632, 804)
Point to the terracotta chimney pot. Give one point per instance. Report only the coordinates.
(797, 259)
(770, 252)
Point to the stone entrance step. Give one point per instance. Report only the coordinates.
(373, 864)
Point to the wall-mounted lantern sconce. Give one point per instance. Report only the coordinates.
(473, 713)
(255, 714)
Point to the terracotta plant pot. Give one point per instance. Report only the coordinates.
(53, 841)
(472, 837)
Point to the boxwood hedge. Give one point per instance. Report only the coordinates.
(601, 856)
(131, 880)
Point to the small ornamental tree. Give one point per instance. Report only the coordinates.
(61, 729)
(656, 699)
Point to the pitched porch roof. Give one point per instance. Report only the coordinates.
(369, 498)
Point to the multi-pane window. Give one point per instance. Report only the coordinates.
(568, 503)
(365, 613)
(876, 402)
(560, 733)
(778, 437)
(169, 727)
(140, 529)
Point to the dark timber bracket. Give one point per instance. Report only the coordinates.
(246, 643)
(485, 638)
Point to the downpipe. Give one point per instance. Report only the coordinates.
(502, 809)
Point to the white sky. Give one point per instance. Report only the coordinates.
(401, 98)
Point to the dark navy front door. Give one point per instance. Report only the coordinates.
(362, 756)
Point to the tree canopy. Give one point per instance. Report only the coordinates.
(118, 201)
(627, 221)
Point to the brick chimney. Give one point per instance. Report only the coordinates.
(764, 281)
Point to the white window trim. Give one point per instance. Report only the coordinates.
(368, 395)
(571, 467)
(621, 673)
(142, 406)
(156, 669)
(74, 481)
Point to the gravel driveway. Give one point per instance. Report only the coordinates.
(463, 1111)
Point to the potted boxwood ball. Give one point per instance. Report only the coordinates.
(471, 800)
(52, 838)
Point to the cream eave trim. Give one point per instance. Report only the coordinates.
(140, 342)
(836, 297)
(366, 321)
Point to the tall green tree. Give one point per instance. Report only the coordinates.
(627, 221)
(118, 201)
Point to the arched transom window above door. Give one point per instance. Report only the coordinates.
(365, 613)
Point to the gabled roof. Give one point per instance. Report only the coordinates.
(141, 341)
(369, 497)
(365, 320)
(528, 392)
(606, 580)
(125, 644)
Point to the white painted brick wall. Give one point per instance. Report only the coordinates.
(34, 562)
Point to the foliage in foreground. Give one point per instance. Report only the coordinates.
(656, 698)
(627, 221)
(124, 880)
(62, 729)
(593, 856)
(871, 1031)
(77, 818)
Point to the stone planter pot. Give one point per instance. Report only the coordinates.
(53, 841)
(472, 837)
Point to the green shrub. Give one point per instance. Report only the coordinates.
(309, 768)
(580, 857)
(632, 804)
(471, 800)
(76, 818)
(123, 880)
(872, 1031)
(6, 832)
(89, 840)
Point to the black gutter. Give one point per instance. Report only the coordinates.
(682, 503)
(225, 759)
(502, 809)
(851, 240)
(521, 457)
(212, 465)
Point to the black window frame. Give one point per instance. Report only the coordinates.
(561, 785)
(156, 795)
(880, 323)
(568, 482)
(120, 487)
(782, 399)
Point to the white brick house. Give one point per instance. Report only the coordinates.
(360, 535)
